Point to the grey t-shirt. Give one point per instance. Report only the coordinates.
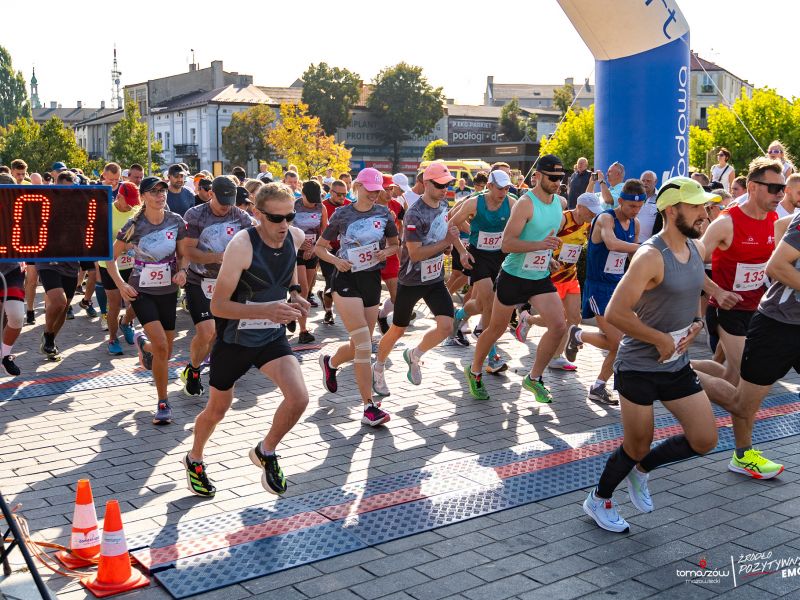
(356, 229)
(213, 233)
(153, 247)
(781, 302)
(308, 219)
(427, 225)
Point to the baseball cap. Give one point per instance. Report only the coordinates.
(129, 192)
(683, 190)
(203, 181)
(150, 183)
(371, 179)
(224, 190)
(176, 170)
(59, 166)
(550, 163)
(401, 181)
(499, 178)
(387, 181)
(437, 172)
(592, 202)
(242, 197)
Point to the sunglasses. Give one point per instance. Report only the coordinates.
(553, 178)
(206, 188)
(440, 186)
(338, 194)
(774, 151)
(272, 218)
(772, 188)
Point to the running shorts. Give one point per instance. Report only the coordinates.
(513, 290)
(160, 307)
(645, 387)
(435, 295)
(770, 350)
(229, 362)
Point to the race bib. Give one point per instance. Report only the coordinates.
(208, 286)
(364, 257)
(432, 268)
(537, 261)
(570, 253)
(311, 238)
(490, 240)
(615, 263)
(749, 277)
(677, 336)
(259, 323)
(125, 261)
(155, 275)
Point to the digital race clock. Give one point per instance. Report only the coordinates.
(46, 223)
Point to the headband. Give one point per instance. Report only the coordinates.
(636, 197)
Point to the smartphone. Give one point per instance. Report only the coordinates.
(594, 176)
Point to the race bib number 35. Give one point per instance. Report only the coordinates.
(615, 263)
(432, 268)
(364, 257)
(537, 261)
(155, 275)
(749, 277)
(490, 241)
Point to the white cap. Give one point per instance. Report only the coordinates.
(592, 202)
(401, 181)
(125, 172)
(499, 178)
(266, 175)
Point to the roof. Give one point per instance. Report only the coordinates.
(69, 114)
(701, 64)
(230, 94)
(474, 112)
(283, 95)
(525, 90)
(115, 116)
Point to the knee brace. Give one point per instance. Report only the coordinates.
(15, 313)
(362, 340)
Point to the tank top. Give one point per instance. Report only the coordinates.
(603, 265)
(742, 267)
(267, 279)
(573, 242)
(308, 219)
(488, 221)
(669, 307)
(546, 220)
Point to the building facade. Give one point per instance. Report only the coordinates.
(711, 85)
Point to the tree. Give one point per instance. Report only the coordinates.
(573, 139)
(41, 146)
(513, 124)
(127, 140)
(430, 150)
(563, 97)
(14, 103)
(405, 104)
(330, 93)
(300, 140)
(246, 137)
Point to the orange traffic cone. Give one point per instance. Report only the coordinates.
(114, 574)
(85, 540)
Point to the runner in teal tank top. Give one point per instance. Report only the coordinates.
(530, 239)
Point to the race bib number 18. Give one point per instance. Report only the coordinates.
(364, 257)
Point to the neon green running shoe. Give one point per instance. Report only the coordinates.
(476, 387)
(754, 465)
(540, 392)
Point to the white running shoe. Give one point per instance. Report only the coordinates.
(638, 491)
(604, 512)
(379, 381)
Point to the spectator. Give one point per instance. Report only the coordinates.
(611, 189)
(462, 191)
(777, 151)
(328, 179)
(723, 171)
(578, 182)
(19, 170)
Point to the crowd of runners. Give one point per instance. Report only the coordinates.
(652, 266)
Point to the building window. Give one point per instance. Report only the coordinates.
(166, 140)
(703, 111)
(193, 135)
(706, 84)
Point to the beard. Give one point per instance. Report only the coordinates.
(688, 230)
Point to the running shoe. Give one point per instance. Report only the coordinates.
(374, 416)
(328, 318)
(328, 374)
(305, 337)
(87, 306)
(114, 349)
(477, 332)
(754, 465)
(104, 321)
(604, 512)
(70, 314)
(192, 385)
(272, 478)
(638, 490)
(461, 339)
(559, 362)
(475, 383)
(163, 414)
(312, 301)
(30, 317)
(414, 373)
(599, 393)
(573, 345)
(495, 363)
(449, 341)
(128, 331)
(514, 321)
(540, 393)
(145, 357)
(379, 381)
(383, 323)
(197, 480)
(291, 327)
(522, 328)
(458, 320)
(49, 350)
(10, 366)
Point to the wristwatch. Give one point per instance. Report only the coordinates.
(699, 320)
(295, 288)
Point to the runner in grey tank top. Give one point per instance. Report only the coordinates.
(656, 308)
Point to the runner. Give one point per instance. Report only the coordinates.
(258, 269)
(573, 235)
(336, 198)
(312, 219)
(427, 236)
(529, 238)
(14, 311)
(390, 272)
(156, 236)
(367, 237)
(612, 238)
(209, 228)
(655, 306)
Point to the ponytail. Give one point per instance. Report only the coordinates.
(135, 219)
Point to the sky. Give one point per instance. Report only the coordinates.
(456, 43)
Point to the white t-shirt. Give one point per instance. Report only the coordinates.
(411, 197)
(647, 218)
(327, 180)
(782, 212)
(722, 174)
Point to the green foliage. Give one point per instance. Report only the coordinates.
(574, 138)
(127, 143)
(430, 150)
(512, 123)
(14, 103)
(41, 146)
(330, 93)
(563, 97)
(701, 146)
(246, 136)
(405, 104)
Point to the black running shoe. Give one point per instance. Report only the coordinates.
(312, 301)
(192, 385)
(460, 339)
(10, 366)
(197, 480)
(30, 318)
(305, 337)
(70, 314)
(383, 323)
(328, 318)
(328, 374)
(49, 350)
(272, 478)
(291, 327)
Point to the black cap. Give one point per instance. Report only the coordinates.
(224, 190)
(148, 183)
(205, 181)
(242, 197)
(176, 170)
(550, 163)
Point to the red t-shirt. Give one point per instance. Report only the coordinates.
(330, 207)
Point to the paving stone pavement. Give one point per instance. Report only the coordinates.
(547, 549)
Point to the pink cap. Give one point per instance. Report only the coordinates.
(371, 179)
(437, 172)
